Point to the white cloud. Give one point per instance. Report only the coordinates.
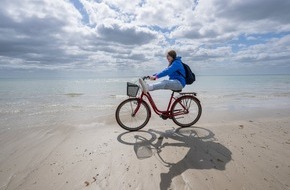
(126, 35)
(97, 34)
(276, 50)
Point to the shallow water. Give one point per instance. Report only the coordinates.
(43, 102)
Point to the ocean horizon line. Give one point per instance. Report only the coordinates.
(131, 76)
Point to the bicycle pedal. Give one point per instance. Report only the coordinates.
(164, 117)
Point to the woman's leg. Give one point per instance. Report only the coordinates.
(166, 84)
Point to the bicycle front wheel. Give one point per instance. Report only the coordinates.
(133, 114)
(186, 111)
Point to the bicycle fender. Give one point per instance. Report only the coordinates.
(188, 96)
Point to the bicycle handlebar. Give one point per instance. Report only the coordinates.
(146, 77)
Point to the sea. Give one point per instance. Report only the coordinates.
(40, 102)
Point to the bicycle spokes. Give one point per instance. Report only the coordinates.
(183, 108)
(134, 109)
(186, 111)
(132, 114)
(185, 103)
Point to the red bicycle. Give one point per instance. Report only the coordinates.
(134, 113)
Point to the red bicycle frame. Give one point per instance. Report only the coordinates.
(166, 114)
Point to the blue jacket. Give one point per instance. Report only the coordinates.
(171, 71)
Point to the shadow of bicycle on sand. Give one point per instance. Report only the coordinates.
(203, 153)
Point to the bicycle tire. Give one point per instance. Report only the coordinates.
(125, 118)
(186, 111)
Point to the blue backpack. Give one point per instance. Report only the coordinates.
(189, 75)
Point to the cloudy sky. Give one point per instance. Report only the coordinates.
(121, 37)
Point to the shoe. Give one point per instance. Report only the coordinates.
(144, 85)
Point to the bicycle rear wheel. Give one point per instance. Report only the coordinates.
(186, 111)
(133, 114)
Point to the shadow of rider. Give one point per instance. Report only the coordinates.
(202, 154)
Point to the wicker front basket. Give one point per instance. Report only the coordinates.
(132, 89)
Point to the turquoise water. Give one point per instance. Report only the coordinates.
(42, 102)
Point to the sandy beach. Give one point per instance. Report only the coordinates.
(228, 150)
(66, 66)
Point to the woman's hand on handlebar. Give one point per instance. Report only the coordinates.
(149, 77)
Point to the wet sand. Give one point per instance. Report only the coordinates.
(224, 151)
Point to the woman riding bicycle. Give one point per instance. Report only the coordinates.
(185, 109)
(175, 71)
